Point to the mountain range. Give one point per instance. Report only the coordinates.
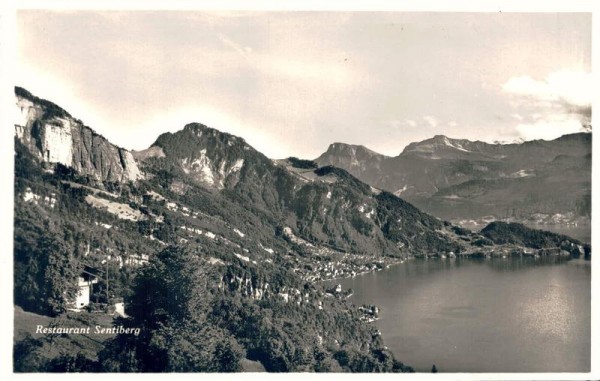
(455, 179)
(205, 234)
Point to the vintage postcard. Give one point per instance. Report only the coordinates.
(299, 190)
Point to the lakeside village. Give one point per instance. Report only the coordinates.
(323, 264)
(328, 265)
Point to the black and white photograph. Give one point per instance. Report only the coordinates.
(298, 190)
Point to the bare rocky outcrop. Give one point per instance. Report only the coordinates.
(52, 135)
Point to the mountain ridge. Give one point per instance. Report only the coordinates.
(489, 177)
(325, 205)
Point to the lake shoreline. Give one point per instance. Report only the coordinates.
(508, 305)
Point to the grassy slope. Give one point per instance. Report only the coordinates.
(25, 324)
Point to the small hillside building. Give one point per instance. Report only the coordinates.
(85, 281)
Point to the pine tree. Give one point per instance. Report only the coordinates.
(169, 304)
(59, 275)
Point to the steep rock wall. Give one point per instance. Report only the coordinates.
(53, 136)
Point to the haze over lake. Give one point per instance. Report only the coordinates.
(500, 315)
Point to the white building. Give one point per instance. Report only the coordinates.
(85, 282)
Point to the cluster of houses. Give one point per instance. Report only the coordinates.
(315, 269)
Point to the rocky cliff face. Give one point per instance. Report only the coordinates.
(210, 158)
(54, 136)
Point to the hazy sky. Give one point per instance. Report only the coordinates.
(292, 83)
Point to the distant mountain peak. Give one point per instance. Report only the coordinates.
(353, 158)
(354, 154)
(438, 143)
(353, 149)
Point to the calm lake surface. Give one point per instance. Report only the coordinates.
(488, 315)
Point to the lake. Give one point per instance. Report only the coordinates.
(488, 315)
